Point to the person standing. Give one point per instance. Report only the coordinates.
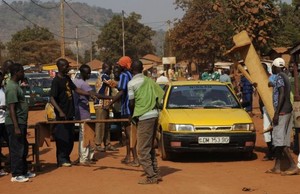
(267, 123)
(102, 130)
(125, 64)
(16, 125)
(225, 76)
(61, 97)
(3, 132)
(162, 78)
(247, 93)
(210, 74)
(282, 120)
(144, 95)
(82, 112)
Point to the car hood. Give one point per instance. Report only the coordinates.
(208, 116)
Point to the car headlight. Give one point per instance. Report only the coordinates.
(180, 127)
(243, 127)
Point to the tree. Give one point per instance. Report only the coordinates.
(2, 47)
(259, 18)
(288, 33)
(33, 45)
(137, 39)
(199, 35)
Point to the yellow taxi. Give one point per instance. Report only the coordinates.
(202, 116)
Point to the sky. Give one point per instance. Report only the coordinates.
(155, 13)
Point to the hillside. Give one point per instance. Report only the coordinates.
(88, 19)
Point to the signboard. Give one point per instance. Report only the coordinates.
(169, 60)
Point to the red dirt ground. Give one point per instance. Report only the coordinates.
(194, 173)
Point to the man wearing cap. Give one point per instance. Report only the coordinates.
(162, 78)
(125, 64)
(282, 120)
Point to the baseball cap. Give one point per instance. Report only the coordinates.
(125, 62)
(278, 62)
(161, 72)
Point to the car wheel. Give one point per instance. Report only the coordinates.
(164, 155)
(248, 155)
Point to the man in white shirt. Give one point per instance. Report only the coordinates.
(162, 78)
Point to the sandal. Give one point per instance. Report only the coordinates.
(272, 171)
(134, 164)
(125, 161)
(290, 172)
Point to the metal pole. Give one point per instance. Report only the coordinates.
(62, 28)
(77, 48)
(123, 33)
(91, 52)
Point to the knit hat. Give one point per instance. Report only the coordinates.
(279, 62)
(125, 62)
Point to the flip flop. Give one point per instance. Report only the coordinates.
(134, 164)
(290, 172)
(271, 171)
(125, 161)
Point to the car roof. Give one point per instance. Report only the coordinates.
(198, 82)
(37, 75)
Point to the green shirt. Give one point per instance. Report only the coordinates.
(14, 94)
(215, 76)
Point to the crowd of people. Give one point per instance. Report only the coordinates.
(137, 97)
(70, 99)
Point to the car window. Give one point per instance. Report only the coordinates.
(93, 75)
(202, 96)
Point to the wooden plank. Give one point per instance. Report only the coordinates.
(247, 52)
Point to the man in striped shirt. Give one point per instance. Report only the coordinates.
(125, 63)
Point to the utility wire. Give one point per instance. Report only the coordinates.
(44, 7)
(37, 24)
(79, 14)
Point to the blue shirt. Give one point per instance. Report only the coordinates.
(104, 85)
(278, 83)
(125, 77)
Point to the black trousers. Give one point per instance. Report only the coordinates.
(64, 138)
(18, 150)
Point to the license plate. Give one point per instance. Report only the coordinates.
(213, 140)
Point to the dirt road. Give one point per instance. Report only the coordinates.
(192, 173)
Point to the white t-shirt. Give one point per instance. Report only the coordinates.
(2, 103)
(162, 79)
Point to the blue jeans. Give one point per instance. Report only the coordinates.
(18, 150)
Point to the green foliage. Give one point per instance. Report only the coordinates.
(288, 33)
(137, 39)
(207, 28)
(33, 45)
(200, 34)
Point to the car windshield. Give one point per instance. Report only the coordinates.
(202, 96)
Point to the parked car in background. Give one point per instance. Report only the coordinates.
(203, 116)
(93, 81)
(36, 87)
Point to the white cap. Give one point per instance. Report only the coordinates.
(278, 62)
(161, 72)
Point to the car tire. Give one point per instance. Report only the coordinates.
(164, 154)
(248, 155)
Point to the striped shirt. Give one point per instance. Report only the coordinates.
(125, 77)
